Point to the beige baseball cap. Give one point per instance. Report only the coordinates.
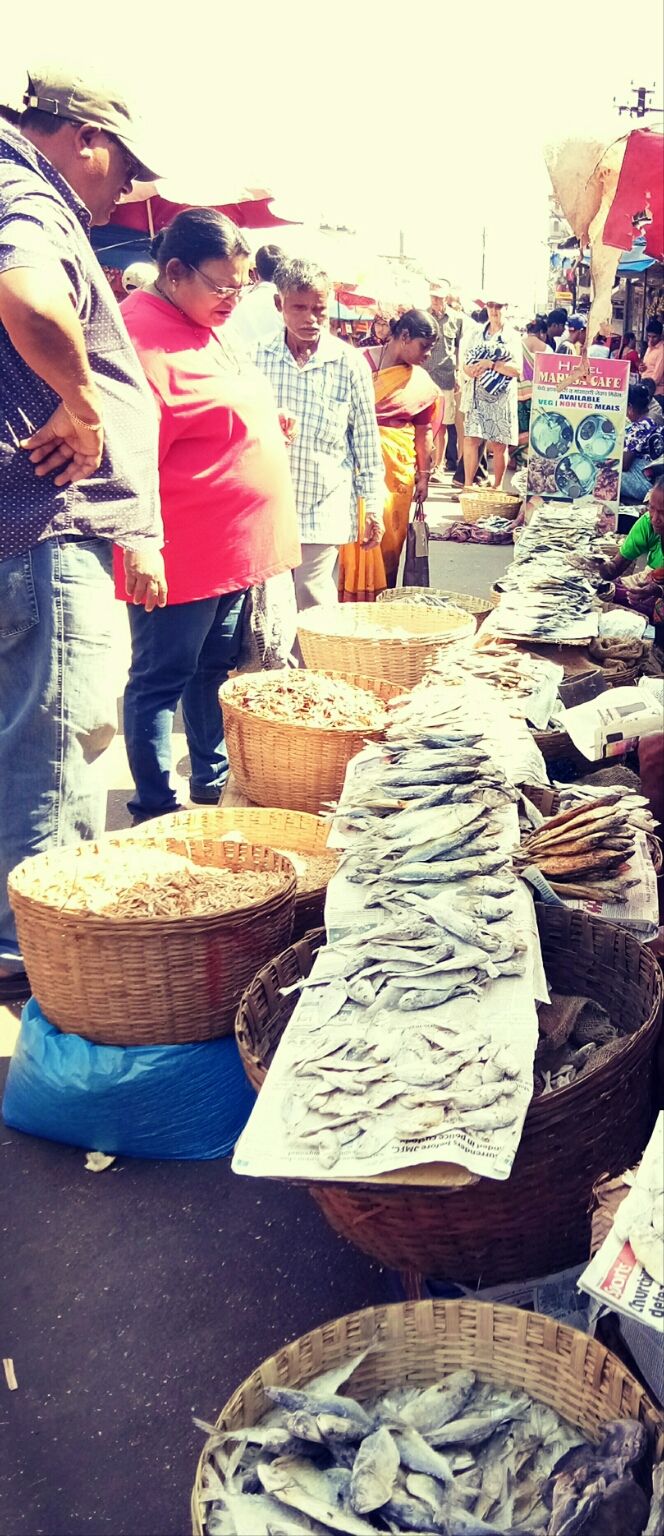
(63, 94)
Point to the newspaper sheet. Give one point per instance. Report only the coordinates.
(611, 724)
(507, 1008)
(616, 1278)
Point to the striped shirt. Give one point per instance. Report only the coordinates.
(336, 455)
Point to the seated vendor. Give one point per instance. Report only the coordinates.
(643, 443)
(645, 589)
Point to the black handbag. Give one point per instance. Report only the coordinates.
(416, 567)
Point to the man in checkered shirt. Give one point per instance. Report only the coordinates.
(324, 389)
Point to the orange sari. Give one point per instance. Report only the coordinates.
(405, 397)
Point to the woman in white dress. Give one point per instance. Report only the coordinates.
(493, 364)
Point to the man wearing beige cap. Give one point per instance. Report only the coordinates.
(78, 470)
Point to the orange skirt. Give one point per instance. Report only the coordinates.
(363, 573)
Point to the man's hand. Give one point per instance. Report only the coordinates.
(422, 485)
(72, 447)
(145, 577)
(373, 533)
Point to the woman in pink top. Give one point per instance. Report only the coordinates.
(227, 504)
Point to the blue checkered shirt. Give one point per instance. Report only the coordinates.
(336, 455)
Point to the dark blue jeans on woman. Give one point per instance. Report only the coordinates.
(182, 652)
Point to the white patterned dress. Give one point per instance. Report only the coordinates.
(494, 418)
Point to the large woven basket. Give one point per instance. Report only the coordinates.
(295, 831)
(419, 1342)
(479, 607)
(343, 637)
(537, 1221)
(296, 767)
(154, 981)
(487, 503)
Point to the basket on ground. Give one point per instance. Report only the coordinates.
(148, 981)
(476, 505)
(419, 1342)
(479, 607)
(285, 831)
(537, 1221)
(288, 764)
(397, 642)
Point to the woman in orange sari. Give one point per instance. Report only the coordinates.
(407, 403)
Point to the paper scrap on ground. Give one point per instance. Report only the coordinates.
(96, 1162)
(10, 1375)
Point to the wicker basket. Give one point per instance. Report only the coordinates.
(282, 830)
(479, 607)
(487, 503)
(127, 981)
(296, 767)
(398, 660)
(421, 1341)
(537, 1221)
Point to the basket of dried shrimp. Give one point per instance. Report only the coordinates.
(397, 641)
(290, 735)
(536, 1222)
(413, 1345)
(438, 597)
(299, 836)
(149, 940)
(488, 503)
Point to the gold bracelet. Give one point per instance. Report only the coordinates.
(91, 426)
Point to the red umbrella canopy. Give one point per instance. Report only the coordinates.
(640, 190)
(153, 213)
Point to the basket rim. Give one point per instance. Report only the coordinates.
(522, 1322)
(308, 625)
(149, 923)
(357, 679)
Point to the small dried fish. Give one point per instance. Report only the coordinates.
(374, 1471)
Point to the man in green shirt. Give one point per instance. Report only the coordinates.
(644, 590)
(645, 538)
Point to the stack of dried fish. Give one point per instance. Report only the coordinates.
(593, 1490)
(633, 807)
(542, 598)
(582, 851)
(362, 1076)
(306, 698)
(139, 882)
(516, 676)
(460, 1458)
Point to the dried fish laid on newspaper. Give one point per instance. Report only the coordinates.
(146, 882)
(582, 852)
(460, 1457)
(380, 1060)
(306, 698)
(633, 807)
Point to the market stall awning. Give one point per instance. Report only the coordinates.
(636, 260)
(150, 214)
(640, 190)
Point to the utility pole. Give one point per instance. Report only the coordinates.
(641, 107)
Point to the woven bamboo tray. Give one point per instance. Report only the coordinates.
(281, 830)
(479, 607)
(295, 767)
(155, 981)
(421, 1341)
(398, 660)
(478, 504)
(537, 1221)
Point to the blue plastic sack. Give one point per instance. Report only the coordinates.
(161, 1101)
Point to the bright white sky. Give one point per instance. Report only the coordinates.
(433, 124)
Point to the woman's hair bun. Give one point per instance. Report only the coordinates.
(156, 245)
(394, 324)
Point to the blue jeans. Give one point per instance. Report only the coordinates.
(184, 651)
(58, 710)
